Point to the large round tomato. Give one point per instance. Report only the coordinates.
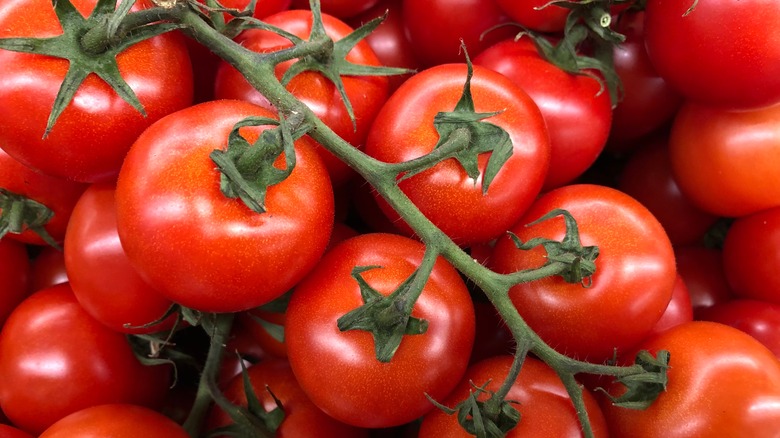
(365, 93)
(721, 382)
(55, 359)
(93, 134)
(200, 248)
(102, 278)
(116, 421)
(727, 162)
(545, 407)
(445, 193)
(339, 370)
(632, 285)
(14, 276)
(718, 52)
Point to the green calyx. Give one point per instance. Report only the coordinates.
(643, 388)
(491, 418)
(91, 45)
(20, 213)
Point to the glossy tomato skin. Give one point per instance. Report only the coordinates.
(366, 93)
(116, 421)
(453, 201)
(7, 431)
(759, 319)
(14, 276)
(750, 256)
(635, 272)
(339, 370)
(689, 50)
(721, 382)
(57, 194)
(95, 131)
(342, 9)
(576, 110)
(47, 269)
(55, 359)
(201, 249)
(678, 311)
(537, 15)
(726, 162)
(302, 417)
(702, 271)
(545, 407)
(105, 283)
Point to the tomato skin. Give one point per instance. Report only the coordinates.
(750, 256)
(330, 364)
(453, 201)
(55, 359)
(47, 269)
(702, 271)
(93, 134)
(678, 311)
(366, 93)
(536, 15)
(632, 286)
(544, 405)
(726, 161)
(722, 53)
(578, 114)
(342, 9)
(12, 432)
(100, 274)
(115, 421)
(168, 200)
(14, 276)
(721, 382)
(759, 319)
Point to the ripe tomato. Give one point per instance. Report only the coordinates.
(366, 93)
(55, 359)
(339, 370)
(47, 269)
(115, 421)
(101, 276)
(537, 15)
(678, 311)
(12, 432)
(545, 407)
(759, 319)
(93, 134)
(341, 9)
(452, 200)
(721, 382)
(632, 285)
(14, 276)
(687, 45)
(702, 271)
(200, 248)
(577, 112)
(726, 162)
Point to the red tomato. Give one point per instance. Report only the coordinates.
(56, 194)
(538, 15)
(545, 407)
(759, 319)
(726, 162)
(116, 421)
(751, 258)
(47, 269)
(266, 329)
(678, 311)
(339, 8)
(632, 285)
(200, 248)
(721, 382)
(366, 93)
(452, 200)
(302, 417)
(437, 28)
(93, 134)
(14, 276)
(702, 271)
(101, 276)
(339, 371)
(577, 111)
(12, 432)
(55, 359)
(717, 52)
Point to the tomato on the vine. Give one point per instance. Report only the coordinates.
(116, 421)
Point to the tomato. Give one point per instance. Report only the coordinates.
(759, 319)
(200, 248)
(577, 111)
(750, 256)
(14, 276)
(93, 134)
(12, 432)
(365, 93)
(721, 382)
(717, 52)
(726, 162)
(339, 370)
(437, 27)
(702, 271)
(632, 284)
(679, 310)
(55, 359)
(538, 15)
(647, 177)
(302, 417)
(100, 274)
(47, 269)
(116, 421)
(453, 201)
(339, 8)
(56, 194)
(545, 407)
(266, 328)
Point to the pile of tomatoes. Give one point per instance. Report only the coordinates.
(124, 239)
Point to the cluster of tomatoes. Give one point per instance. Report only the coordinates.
(115, 219)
